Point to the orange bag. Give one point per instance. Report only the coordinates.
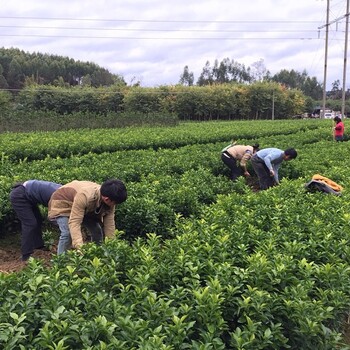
(329, 182)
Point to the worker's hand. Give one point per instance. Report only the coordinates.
(272, 173)
(78, 250)
(246, 173)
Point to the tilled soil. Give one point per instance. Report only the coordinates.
(10, 254)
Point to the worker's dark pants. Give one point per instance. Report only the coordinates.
(260, 168)
(31, 220)
(231, 162)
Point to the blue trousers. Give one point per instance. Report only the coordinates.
(91, 224)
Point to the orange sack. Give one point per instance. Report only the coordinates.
(329, 182)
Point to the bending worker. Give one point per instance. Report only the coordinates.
(25, 199)
(233, 154)
(266, 163)
(85, 203)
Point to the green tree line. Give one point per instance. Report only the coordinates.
(230, 71)
(33, 83)
(225, 101)
(19, 69)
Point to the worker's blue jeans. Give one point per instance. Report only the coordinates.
(65, 240)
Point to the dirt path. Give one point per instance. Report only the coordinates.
(10, 254)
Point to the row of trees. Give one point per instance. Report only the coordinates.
(225, 101)
(19, 69)
(230, 71)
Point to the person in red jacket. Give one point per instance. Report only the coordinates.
(338, 129)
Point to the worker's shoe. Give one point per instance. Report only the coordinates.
(25, 257)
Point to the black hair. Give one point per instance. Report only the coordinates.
(115, 190)
(337, 119)
(256, 147)
(291, 152)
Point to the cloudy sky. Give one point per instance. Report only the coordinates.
(151, 41)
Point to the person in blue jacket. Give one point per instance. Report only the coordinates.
(266, 163)
(25, 199)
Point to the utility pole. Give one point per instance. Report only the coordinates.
(326, 56)
(273, 105)
(345, 59)
(325, 64)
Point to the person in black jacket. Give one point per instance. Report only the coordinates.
(25, 199)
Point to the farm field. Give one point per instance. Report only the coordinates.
(198, 262)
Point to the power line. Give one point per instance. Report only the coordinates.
(152, 21)
(152, 38)
(249, 30)
(297, 24)
(163, 30)
(334, 21)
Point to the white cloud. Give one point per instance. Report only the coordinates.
(154, 40)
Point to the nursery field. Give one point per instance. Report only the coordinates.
(198, 261)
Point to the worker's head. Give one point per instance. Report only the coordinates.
(113, 192)
(255, 148)
(337, 119)
(290, 153)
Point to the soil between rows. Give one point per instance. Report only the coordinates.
(10, 254)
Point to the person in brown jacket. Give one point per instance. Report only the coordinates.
(85, 203)
(233, 154)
